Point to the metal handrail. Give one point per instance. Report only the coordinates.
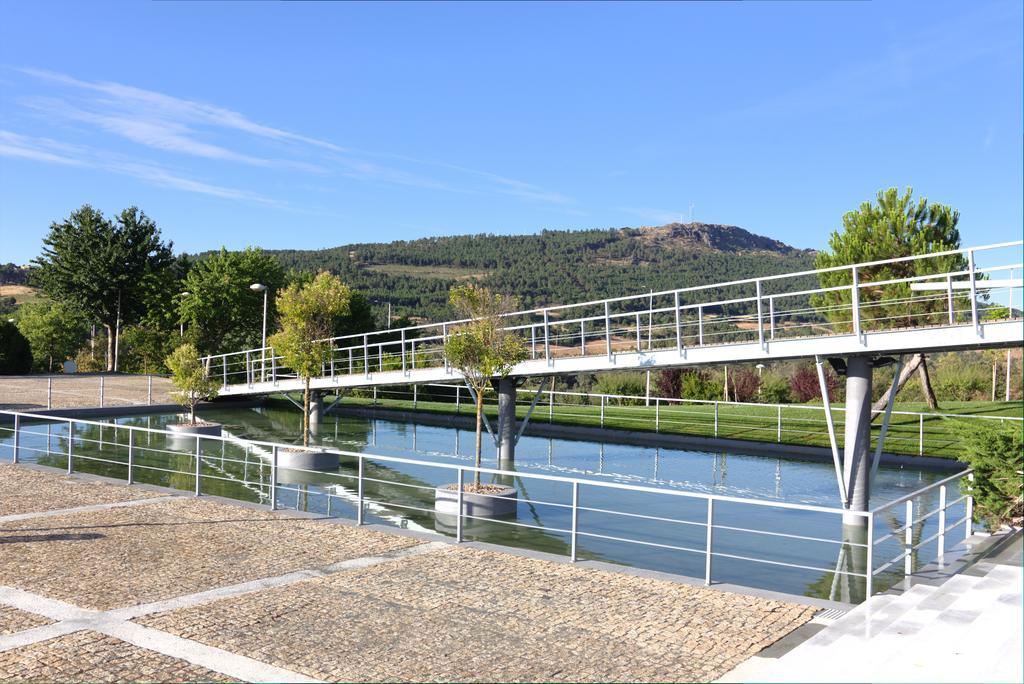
(711, 500)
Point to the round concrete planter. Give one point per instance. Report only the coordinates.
(302, 459)
(497, 505)
(204, 429)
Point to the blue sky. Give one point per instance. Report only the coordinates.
(316, 124)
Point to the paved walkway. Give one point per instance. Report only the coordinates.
(967, 629)
(126, 583)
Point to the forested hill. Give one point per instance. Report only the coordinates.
(553, 267)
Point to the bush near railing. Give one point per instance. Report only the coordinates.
(996, 454)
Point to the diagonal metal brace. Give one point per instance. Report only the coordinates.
(885, 422)
(533, 405)
(831, 432)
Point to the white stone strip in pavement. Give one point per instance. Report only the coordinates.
(189, 600)
(217, 659)
(82, 509)
(116, 623)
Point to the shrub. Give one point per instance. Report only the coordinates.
(743, 385)
(996, 454)
(775, 391)
(805, 386)
(669, 383)
(697, 384)
(15, 352)
(629, 384)
(191, 379)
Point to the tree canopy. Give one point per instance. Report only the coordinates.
(308, 315)
(190, 378)
(54, 330)
(481, 349)
(220, 312)
(103, 267)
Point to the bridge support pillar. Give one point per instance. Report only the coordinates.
(857, 438)
(506, 388)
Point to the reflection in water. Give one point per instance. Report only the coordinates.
(403, 494)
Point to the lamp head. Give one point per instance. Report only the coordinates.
(257, 287)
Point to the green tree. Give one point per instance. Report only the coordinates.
(996, 454)
(105, 268)
(190, 377)
(480, 348)
(15, 351)
(220, 312)
(891, 227)
(308, 314)
(55, 332)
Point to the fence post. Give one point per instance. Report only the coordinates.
(17, 437)
(920, 435)
(908, 540)
(778, 435)
(551, 402)
(198, 466)
(458, 399)
(224, 370)
(771, 318)
(415, 396)
(547, 337)
(942, 520)
(583, 338)
(607, 331)
(949, 297)
(49, 393)
(602, 410)
(149, 391)
(459, 503)
(101, 391)
(71, 444)
(974, 292)
(131, 455)
(402, 340)
(760, 316)
(716, 419)
(707, 550)
(374, 394)
(700, 326)
(533, 344)
(855, 302)
(366, 355)
(273, 479)
(575, 519)
(444, 340)
(869, 573)
(679, 327)
(359, 494)
(969, 523)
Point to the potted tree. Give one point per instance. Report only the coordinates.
(482, 350)
(308, 313)
(194, 385)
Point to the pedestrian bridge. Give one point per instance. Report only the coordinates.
(896, 306)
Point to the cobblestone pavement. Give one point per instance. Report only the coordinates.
(91, 656)
(13, 620)
(185, 589)
(122, 556)
(465, 614)
(29, 392)
(28, 491)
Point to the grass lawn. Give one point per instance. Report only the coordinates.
(932, 435)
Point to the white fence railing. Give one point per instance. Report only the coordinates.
(710, 528)
(758, 310)
(78, 390)
(910, 432)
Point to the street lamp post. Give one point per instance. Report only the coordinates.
(259, 287)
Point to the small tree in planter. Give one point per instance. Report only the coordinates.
(190, 377)
(308, 312)
(481, 349)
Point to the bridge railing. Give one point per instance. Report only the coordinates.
(910, 432)
(909, 292)
(714, 537)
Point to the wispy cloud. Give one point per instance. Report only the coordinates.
(188, 128)
(52, 151)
